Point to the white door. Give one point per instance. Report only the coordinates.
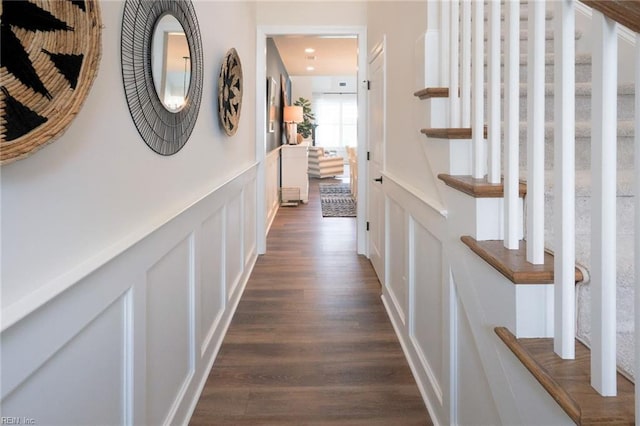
(377, 137)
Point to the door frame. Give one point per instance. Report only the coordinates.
(379, 50)
(264, 31)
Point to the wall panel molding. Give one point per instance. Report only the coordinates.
(416, 225)
(169, 309)
(397, 267)
(212, 289)
(60, 391)
(272, 183)
(234, 241)
(163, 298)
(426, 301)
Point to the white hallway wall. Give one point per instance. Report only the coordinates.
(415, 291)
(120, 267)
(405, 158)
(99, 184)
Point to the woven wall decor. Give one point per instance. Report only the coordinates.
(164, 131)
(49, 59)
(230, 92)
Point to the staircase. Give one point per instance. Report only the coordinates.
(492, 252)
(624, 199)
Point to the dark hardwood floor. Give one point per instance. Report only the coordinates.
(310, 342)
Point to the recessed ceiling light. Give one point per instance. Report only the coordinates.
(310, 68)
(309, 50)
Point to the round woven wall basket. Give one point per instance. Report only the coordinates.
(230, 92)
(50, 56)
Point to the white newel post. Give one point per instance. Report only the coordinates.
(493, 94)
(564, 179)
(535, 133)
(477, 112)
(603, 211)
(511, 123)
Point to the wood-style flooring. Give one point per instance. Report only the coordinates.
(310, 342)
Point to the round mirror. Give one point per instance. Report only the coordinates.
(163, 107)
(170, 63)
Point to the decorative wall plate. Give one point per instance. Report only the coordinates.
(163, 131)
(230, 92)
(49, 58)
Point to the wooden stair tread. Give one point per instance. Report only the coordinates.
(478, 188)
(432, 92)
(625, 12)
(451, 132)
(568, 381)
(513, 263)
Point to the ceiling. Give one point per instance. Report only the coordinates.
(333, 55)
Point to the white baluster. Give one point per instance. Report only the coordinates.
(445, 35)
(454, 72)
(637, 220)
(603, 211)
(493, 93)
(465, 69)
(564, 179)
(511, 124)
(535, 133)
(477, 132)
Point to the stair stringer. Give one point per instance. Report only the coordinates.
(475, 299)
(447, 156)
(486, 299)
(478, 299)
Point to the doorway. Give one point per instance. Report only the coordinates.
(359, 33)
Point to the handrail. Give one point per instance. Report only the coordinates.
(626, 12)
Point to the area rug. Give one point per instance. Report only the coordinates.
(336, 200)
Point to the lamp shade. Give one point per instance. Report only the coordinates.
(292, 114)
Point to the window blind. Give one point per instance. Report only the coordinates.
(337, 119)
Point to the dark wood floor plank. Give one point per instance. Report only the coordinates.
(310, 342)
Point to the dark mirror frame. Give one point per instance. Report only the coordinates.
(165, 132)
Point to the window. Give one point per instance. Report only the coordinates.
(337, 120)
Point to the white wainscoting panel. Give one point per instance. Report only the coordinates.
(170, 358)
(465, 373)
(475, 404)
(249, 227)
(426, 326)
(212, 288)
(397, 261)
(82, 383)
(234, 239)
(414, 297)
(133, 341)
(272, 183)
